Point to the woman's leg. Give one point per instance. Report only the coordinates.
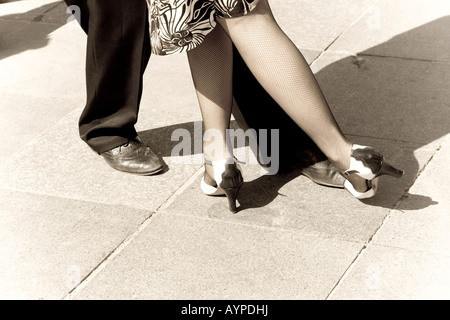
(211, 66)
(281, 69)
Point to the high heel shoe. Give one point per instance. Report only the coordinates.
(368, 164)
(228, 178)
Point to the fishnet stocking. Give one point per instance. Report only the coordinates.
(280, 68)
(212, 71)
(283, 72)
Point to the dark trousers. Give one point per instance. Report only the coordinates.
(118, 51)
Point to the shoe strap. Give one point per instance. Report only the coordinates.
(359, 195)
(209, 162)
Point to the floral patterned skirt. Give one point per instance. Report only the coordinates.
(180, 25)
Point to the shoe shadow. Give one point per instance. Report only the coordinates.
(161, 142)
(415, 202)
(262, 191)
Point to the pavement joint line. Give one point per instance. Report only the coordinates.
(265, 227)
(39, 17)
(349, 26)
(400, 58)
(38, 193)
(105, 262)
(5, 90)
(116, 251)
(418, 144)
(375, 55)
(346, 272)
(37, 137)
(366, 246)
(171, 199)
(360, 253)
(28, 22)
(424, 167)
(420, 251)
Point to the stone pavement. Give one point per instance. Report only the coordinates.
(73, 228)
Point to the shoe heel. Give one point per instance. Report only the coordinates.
(228, 177)
(387, 169)
(232, 196)
(231, 182)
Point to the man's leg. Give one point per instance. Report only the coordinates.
(118, 50)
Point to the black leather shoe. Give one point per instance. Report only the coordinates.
(313, 164)
(324, 173)
(133, 157)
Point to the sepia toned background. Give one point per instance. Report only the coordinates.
(73, 228)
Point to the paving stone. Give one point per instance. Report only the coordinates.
(7, 29)
(63, 210)
(389, 273)
(58, 163)
(27, 10)
(168, 87)
(18, 121)
(409, 256)
(49, 244)
(387, 98)
(60, 14)
(421, 221)
(45, 60)
(310, 55)
(316, 24)
(291, 201)
(194, 258)
(401, 29)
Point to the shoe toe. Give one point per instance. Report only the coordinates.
(135, 158)
(324, 174)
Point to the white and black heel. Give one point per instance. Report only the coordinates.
(369, 164)
(228, 180)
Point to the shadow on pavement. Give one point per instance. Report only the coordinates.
(403, 100)
(27, 36)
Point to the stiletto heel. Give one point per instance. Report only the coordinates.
(228, 179)
(387, 169)
(232, 196)
(370, 165)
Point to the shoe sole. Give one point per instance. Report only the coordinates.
(325, 184)
(141, 174)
